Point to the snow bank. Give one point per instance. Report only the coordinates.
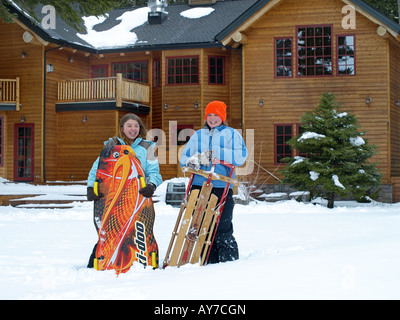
(288, 250)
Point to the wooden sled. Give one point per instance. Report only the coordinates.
(198, 219)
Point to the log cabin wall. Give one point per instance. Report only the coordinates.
(64, 129)
(395, 109)
(286, 99)
(30, 71)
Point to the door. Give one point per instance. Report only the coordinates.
(23, 151)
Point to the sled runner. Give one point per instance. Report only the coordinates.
(123, 218)
(198, 219)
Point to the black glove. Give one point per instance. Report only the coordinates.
(148, 190)
(91, 196)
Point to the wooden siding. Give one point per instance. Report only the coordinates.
(395, 109)
(82, 142)
(57, 135)
(285, 100)
(30, 72)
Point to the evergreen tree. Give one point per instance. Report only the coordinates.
(70, 11)
(335, 155)
(387, 7)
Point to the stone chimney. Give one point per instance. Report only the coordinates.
(157, 12)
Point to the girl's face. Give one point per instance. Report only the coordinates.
(213, 120)
(131, 129)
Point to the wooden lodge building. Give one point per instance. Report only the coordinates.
(62, 93)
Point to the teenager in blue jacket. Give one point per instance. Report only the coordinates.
(131, 132)
(217, 141)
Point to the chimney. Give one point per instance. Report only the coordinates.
(157, 12)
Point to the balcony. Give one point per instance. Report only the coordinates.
(9, 94)
(103, 93)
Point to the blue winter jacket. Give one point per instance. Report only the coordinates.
(226, 144)
(144, 150)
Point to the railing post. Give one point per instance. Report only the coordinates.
(118, 89)
(17, 94)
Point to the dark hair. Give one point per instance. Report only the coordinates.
(125, 118)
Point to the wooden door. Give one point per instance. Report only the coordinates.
(23, 151)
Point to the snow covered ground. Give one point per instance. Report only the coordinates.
(288, 250)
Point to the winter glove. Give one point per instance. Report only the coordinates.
(194, 162)
(91, 196)
(204, 159)
(148, 190)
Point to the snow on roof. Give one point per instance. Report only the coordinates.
(119, 35)
(196, 13)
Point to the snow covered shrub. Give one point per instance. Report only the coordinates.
(333, 155)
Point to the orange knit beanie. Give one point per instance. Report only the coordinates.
(218, 108)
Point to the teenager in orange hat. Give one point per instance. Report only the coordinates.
(216, 140)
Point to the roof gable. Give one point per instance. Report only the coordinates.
(263, 6)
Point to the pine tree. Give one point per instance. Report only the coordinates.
(70, 11)
(335, 155)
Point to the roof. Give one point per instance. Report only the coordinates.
(128, 29)
(186, 26)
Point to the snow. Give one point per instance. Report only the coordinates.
(288, 250)
(358, 141)
(196, 13)
(314, 175)
(336, 181)
(310, 135)
(298, 159)
(120, 35)
(342, 115)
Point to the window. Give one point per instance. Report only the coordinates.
(314, 51)
(216, 70)
(183, 70)
(156, 73)
(131, 70)
(99, 71)
(283, 133)
(283, 57)
(346, 63)
(1, 141)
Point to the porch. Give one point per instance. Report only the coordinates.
(10, 94)
(103, 93)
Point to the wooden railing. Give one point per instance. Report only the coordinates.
(9, 91)
(103, 89)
